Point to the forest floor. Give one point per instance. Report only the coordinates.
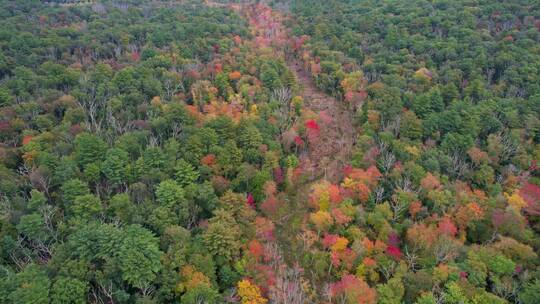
(334, 147)
(326, 159)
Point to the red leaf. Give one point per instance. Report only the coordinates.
(446, 226)
(250, 200)
(393, 252)
(27, 139)
(299, 141)
(312, 125)
(329, 240)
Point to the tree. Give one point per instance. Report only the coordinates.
(250, 293)
(202, 93)
(162, 217)
(151, 165)
(352, 290)
(454, 294)
(33, 226)
(89, 148)
(122, 208)
(270, 77)
(392, 292)
(37, 199)
(416, 284)
(229, 158)
(115, 166)
(322, 220)
(232, 202)
(72, 189)
(201, 294)
(86, 206)
(171, 196)
(69, 291)
(428, 103)
(203, 196)
(515, 201)
(250, 137)
(530, 293)
(222, 238)
(31, 285)
(411, 126)
(139, 256)
(185, 173)
(66, 170)
(169, 193)
(426, 298)
(222, 84)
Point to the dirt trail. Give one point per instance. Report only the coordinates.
(324, 158)
(333, 150)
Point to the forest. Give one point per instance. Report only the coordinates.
(270, 152)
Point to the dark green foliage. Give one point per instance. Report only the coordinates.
(68, 290)
(114, 166)
(138, 255)
(185, 173)
(201, 294)
(88, 149)
(72, 189)
(31, 285)
(33, 226)
(531, 293)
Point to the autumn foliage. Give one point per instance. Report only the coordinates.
(351, 289)
(249, 293)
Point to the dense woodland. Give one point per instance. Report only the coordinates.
(302, 151)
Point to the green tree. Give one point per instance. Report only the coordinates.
(68, 291)
(428, 103)
(201, 294)
(229, 158)
(31, 285)
(138, 256)
(392, 292)
(86, 206)
(250, 137)
(73, 188)
(222, 238)
(89, 148)
(66, 170)
(115, 166)
(208, 138)
(454, 294)
(162, 217)
(426, 298)
(202, 196)
(270, 77)
(171, 196)
(37, 199)
(92, 172)
(33, 226)
(185, 173)
(411, 126)
(122, 208)
(530, 293)
(169, 193)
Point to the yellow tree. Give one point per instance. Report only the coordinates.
(250, 293)
(515, 201)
